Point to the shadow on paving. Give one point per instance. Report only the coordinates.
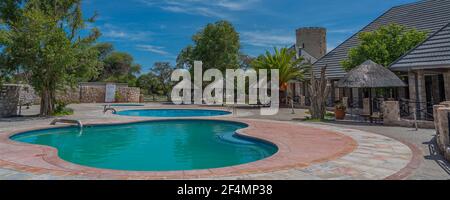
(436, 156)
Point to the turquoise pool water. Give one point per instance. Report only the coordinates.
(153, 146)
(125, 105)
(173, 113)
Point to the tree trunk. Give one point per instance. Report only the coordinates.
(319, 91)
(47, 102)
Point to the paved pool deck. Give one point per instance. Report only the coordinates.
(314, 151)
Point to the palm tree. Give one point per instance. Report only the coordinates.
(290, 68)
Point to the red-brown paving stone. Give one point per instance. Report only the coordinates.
(299, 146)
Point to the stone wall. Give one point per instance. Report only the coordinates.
(391, 112)
(128, 94)
(13, 95)
(391, 117)
(9, 100)
(70, 95)
(95, 93)
(28, 95)
(92, 94)
(441, 121)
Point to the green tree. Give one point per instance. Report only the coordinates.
(217, 46)
(163, 71)
(150, 83)
(185, 58)
(285, 61)
(45, 40)
(383, 46)
(10, 10)
(120, 67)
(104, 49)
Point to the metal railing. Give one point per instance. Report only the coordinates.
(416, 110)
(106, 109)
(67, 121)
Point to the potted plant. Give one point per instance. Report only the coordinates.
(339, 111)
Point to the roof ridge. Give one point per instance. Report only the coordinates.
(420, 44)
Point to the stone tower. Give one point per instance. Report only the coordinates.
(313, 40)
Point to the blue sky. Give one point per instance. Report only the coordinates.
(156, 30)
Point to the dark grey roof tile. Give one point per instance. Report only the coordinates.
(432, 52)
(429, 16)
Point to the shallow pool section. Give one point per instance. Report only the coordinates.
(173, 113)
(154, 146)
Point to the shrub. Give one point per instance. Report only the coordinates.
(61, 109)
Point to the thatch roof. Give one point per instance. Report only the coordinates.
(370, 75)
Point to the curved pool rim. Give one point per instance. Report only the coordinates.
(124, 105)
(52, 156)
(287, 157)
(220, 113)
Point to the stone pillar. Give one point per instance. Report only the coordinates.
(447, 84)
(345, 101)
(297, 89)
(417, 91)
(338, 94)
(412, 86)
(302, 100)
(366, 106)
(9, 100)
(355, 97)
(391, 112)
(422, 92)
(332, 96)
(435, 116)
(442, 130)
(141, 98)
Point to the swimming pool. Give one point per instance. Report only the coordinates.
(125, 105)
(173, 113)
(164, 145)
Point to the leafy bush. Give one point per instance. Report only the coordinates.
(61, 109)
(118, 96)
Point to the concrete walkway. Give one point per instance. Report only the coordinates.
(430, 165)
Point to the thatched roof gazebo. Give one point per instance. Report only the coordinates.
(370, 75)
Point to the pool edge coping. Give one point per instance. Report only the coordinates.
(51, 155)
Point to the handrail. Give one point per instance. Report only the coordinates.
(67, 121)
(114, 111)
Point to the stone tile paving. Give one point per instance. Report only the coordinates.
(376, 156)
(432, 165)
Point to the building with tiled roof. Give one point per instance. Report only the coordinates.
(426, 68)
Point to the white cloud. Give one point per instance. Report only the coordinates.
(208, 8)
(344, 30)
(118, 33)
(153, 49)
(267, 39)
